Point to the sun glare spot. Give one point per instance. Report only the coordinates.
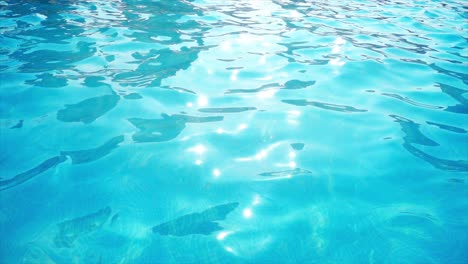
(292, 164)
(247, 213)
(223, 234)
(202, 100)
(199, 149)
(242, 126)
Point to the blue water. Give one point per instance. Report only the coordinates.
(248, 131)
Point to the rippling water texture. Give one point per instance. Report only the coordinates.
(247, 131)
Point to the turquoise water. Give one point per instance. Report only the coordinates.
(250, 131)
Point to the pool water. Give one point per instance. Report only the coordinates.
(240, 131)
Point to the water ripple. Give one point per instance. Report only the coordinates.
(326, 106)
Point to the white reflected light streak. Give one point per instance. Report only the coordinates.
(294, 112)
(266, 94)
(242, 126)
(223, 234)
(261, 154)
(239, 128)
(337, 62)
(266, 78)
(229, 249)
(199, 149)
(336, 49)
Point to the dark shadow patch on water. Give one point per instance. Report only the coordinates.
(411, 102)
(459, 75)
(226, 109)
(88, 110)
(165, 128)
(414, 136)
(51, 60)
(49, 27)
(133, 96)
(284, 173)
(443, 164)
(157, 130)
(198, 119)
(412, 133)
(114, 219)
(297, 146)
(456, 180)
(447, 127)
(48, 80)
(297, 84)
(157, 65)
(457, 94)
(234, 68)
(18, 125)
(178, 89)
(289, 85)
(256, 90)
(89, 155)
(203, 223)
(95, 81)
(326, 106)
(28, 175)
(166, 22)
(71, 230)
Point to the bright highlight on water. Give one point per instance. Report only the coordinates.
(236, 131)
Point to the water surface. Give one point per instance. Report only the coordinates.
(240, 131)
